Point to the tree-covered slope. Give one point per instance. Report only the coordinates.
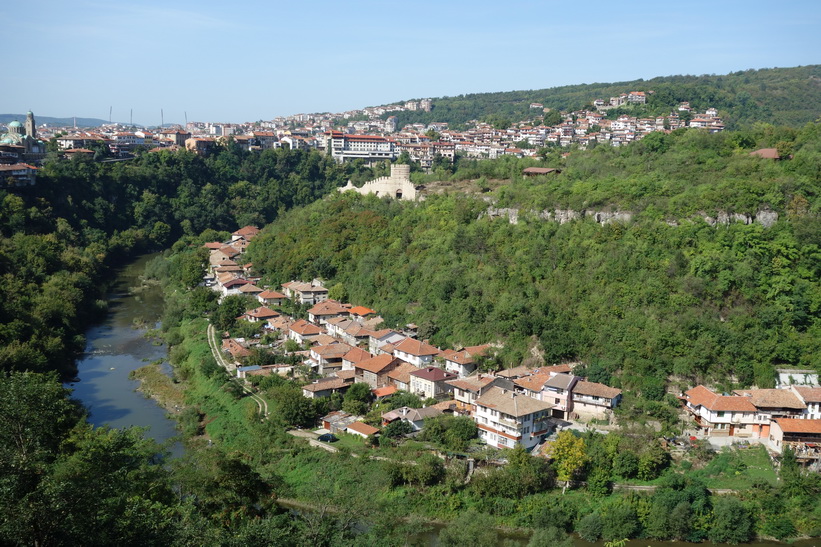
(784, 96)
(647, 298)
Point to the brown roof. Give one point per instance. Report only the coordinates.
(331, 351)
(433, 374)
(330, 383)
(511, 403)
(266, 294)
(363, 428)
(416, 347)
(357, 355)
(379, 363)
(794, 425)
(773, 398)
(305, 328)
(466, 356)
(402, 372)
(247, 231)
(809, 394)
(515, 372)
(702, 396)
(473, 384)
(346, 374)
(534, 382)
(384, 391)
(596, 390)
(261, 313)
(329, 307)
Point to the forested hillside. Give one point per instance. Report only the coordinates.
(783, 96)
(664, 295)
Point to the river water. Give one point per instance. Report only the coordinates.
(114, 348)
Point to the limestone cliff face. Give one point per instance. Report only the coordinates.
(765, 216)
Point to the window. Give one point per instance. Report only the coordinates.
(720, 413)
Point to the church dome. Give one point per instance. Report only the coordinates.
(15, 123)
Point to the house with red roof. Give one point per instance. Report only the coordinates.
(802, 436)
(271, 298)
(415, 352)
(462, 362)
(374, 371)
(301, 331)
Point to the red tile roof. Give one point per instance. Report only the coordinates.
(794, 425)
(416, 347)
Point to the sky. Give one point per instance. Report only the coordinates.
(240, 61)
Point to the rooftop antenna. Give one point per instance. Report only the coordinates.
(110, 108)
(131, 120)
(162, 119)
(75, 122)
(186, 121)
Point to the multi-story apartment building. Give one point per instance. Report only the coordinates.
(506, 419)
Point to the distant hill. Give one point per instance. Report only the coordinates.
(59, 122)
(781, 96)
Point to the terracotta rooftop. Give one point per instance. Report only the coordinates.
(473, 383)
(809, 394)
(325, 384)
(702, 396)
(773, 398)
(402, 372)
(304, 328)
(511, 403)
(363, 429)
(596, 390)
(794, 425)
(534, 382)
(379, 363)
(357, 355)
(416, 347)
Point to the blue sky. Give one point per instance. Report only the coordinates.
(245, 61)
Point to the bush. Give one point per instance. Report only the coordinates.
(590, 527)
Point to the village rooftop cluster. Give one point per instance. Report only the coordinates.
(345, 343)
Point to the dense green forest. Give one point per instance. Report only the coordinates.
(782, 96)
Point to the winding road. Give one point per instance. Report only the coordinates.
(262, 404)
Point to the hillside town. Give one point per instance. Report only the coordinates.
(342, 344)
(370, 134)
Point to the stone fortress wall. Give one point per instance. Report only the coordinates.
(398, 185)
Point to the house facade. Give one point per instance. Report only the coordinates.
(506, 419)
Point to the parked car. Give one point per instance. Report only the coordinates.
(328, 438)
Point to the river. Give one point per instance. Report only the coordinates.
(114, 348)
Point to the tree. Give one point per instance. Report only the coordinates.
(357, 398)
(590, 527)
(550, 537)
(470, 528)
(569, 455)
(293, 407)
(226, 315)
(731, 522)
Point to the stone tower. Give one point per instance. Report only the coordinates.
(31, 127)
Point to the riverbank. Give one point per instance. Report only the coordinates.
(157, 385)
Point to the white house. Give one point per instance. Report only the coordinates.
(506, 419)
